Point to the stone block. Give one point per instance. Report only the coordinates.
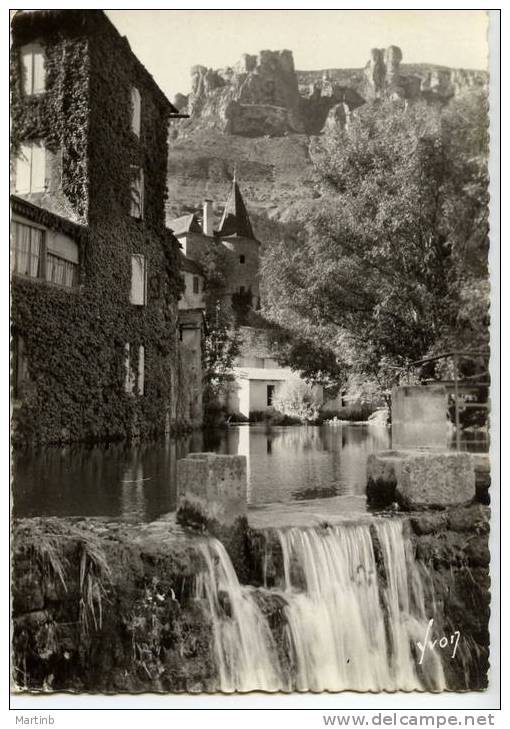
(213, 486)
(482, 477)
(420, 479)
(419, 416)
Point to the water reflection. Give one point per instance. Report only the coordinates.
(139, 481)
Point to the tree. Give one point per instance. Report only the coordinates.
(221, 340)
(381, 270)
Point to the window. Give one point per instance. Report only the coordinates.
(62, 260)
(31, 168)
(270, 395)
(136, 110)
(136, 209)
(33, 69)
(19, 367)
(44, 254)
(241, 259)
(241, 289)
(60, 271)
(28, 250)
(130, 377)
(196, 285)
(138, 295)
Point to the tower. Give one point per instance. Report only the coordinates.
(236, 234)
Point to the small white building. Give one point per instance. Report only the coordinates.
(257, 375)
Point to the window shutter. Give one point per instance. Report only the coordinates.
(136, 111)
(23, 164)
(39, 71)
(141, 369)
(137, 190)
(137, 280)
(26, 69)
(129, 379)
(38, 179)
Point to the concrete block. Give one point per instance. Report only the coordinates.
(419, 416)
(212, 485)
(420, 479)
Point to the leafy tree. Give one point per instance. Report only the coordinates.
(221, 341)
(391, 264)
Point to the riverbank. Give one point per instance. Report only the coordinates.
(104, 606)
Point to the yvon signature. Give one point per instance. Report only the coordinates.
(443, 643)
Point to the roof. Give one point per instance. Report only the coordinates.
(45, 217)
(235, 219)
(184, 224)
(191, 266)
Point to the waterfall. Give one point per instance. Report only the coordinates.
(244, 647)
(354, 611)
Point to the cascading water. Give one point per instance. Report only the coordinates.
(244, 647)
(354, 612)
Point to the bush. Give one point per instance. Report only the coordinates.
(352, 413)
(297, 399)
(272, 417)
(215, 414)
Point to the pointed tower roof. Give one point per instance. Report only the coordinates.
(235, 219)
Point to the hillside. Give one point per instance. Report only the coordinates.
(262, 117)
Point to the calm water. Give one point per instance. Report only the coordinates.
(286, 464)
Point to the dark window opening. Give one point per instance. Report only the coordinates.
(241, 259)
(196, 285)
(241, 289)
(270, 395)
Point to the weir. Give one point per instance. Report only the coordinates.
(354, 612)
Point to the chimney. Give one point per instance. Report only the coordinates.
(207, 221)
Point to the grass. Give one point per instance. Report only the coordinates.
(94, 575)
(43, 542)
(46, 542)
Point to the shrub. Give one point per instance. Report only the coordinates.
(352, 413)
(298, 399)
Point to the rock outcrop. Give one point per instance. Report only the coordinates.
(258, 96)
(263, 95)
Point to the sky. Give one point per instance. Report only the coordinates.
(170, 42)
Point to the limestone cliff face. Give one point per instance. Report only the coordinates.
(263, 95)
(385, 77)
(258, 96)
(264, 118)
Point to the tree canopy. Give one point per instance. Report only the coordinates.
(390, 264)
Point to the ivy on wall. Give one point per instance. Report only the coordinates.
(75, 340)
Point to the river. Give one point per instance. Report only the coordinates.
(286, 465)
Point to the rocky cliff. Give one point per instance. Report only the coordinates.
(265, 95)
(262, 117)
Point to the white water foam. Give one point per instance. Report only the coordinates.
(353, 621)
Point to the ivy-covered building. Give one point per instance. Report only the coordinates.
(96, 280)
